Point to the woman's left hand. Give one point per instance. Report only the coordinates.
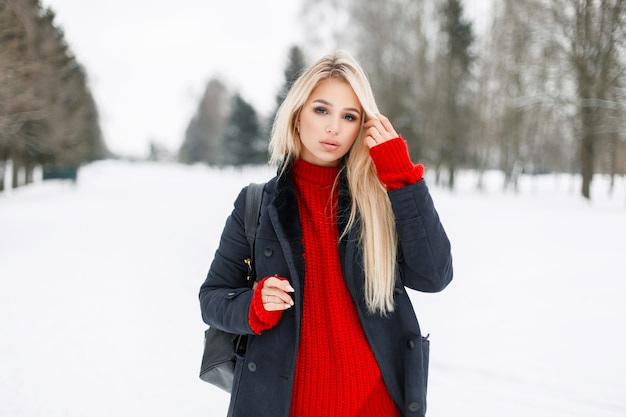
(378, 130)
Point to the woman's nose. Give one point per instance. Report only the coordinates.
(332, 127)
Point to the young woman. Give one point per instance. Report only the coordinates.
(345, 226)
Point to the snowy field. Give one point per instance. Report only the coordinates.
(99, 313)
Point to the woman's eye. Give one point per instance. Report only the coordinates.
(320, 110)
(350, 117)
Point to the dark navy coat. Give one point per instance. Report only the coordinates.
(264, 377)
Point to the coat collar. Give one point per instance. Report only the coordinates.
(286, 202)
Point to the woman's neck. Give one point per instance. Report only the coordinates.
(314, 173)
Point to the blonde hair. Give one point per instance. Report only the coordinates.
(369, 196)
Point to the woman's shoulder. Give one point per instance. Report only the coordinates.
(268, 188)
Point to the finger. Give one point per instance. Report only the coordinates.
(273, 303)
(281, 284)
(376, 133)
(386, 124)
(374, 123)
(376, 129)
(386, 128)
(370, 142)
(276, 306)
(276, 296)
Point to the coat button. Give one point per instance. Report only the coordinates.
(268, 252)
(414, 406)
(411, 344)
(252, 366)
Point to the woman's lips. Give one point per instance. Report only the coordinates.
(330, 145)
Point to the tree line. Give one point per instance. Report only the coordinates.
(48, 116)
(226, 130)
(542, 89)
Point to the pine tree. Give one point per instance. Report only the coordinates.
(47, 113)
(295, 66)
(242, 143)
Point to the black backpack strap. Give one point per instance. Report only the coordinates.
(254, 195)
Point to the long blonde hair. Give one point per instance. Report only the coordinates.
(369, 196)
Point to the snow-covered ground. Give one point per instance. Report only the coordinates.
(99, 313)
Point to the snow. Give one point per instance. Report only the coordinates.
(99, 313)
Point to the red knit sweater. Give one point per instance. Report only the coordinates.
(336, 372)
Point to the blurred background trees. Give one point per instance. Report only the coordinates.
(296, 63)
(243, 144)
(591, 37)
(227, 130)
(48, 116)
(204, 135)
(452, 93)
(539, 87)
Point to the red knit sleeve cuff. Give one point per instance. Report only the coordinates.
(259, 318)
(393, 164)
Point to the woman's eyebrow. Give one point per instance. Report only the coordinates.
(322, 101)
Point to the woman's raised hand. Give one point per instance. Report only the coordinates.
(378, 130)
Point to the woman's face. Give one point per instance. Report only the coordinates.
(329, 122)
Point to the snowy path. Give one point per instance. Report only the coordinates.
(99, 312)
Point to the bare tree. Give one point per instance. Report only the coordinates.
(454, 59)
(550, 76)
(590, 33)
(526, 94)
(390, 41)
(324, 24)
(613, 147)
(515, 94)
(204, 135)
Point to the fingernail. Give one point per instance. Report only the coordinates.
(290, 288)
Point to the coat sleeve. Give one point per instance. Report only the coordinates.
(225, 296)
(425, 258)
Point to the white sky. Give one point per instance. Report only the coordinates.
(148, 61)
